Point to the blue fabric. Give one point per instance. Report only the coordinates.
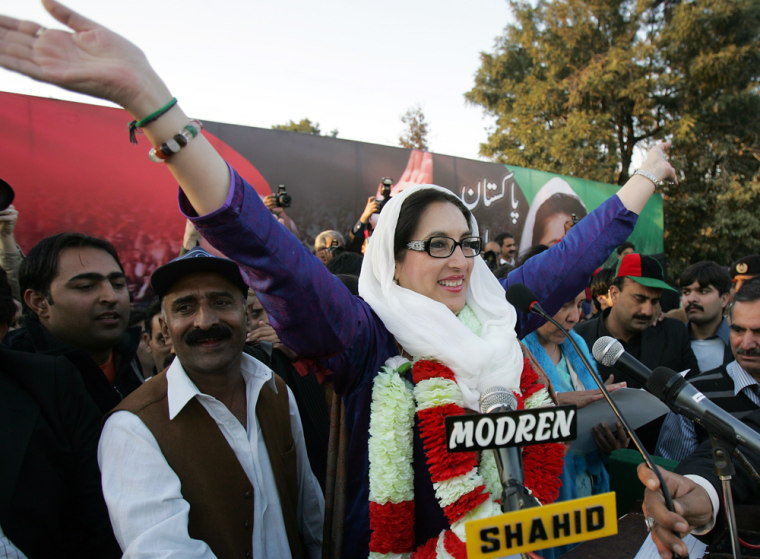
(591, 463)
(317, 317)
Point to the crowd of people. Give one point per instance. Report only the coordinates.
(279, 401)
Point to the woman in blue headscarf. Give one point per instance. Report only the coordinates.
(584, 474)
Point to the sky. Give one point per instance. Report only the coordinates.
(351, 66)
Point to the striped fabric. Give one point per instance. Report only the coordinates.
(730, 387)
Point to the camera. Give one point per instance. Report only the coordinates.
(6, 195)
(282, 198)
(385, 192)
(334, 245)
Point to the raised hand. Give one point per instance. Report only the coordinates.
(419, 170)
(89, 59)
(657, 163)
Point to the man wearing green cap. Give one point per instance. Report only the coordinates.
(635, 295)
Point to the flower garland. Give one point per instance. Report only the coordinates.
(464, 489)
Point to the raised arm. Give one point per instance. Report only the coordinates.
(558, 274)
(93, 60)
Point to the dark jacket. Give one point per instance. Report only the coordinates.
(51, 502)
(666, 344)
(35, 338)
(744, 489)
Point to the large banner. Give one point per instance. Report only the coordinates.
(73, 168)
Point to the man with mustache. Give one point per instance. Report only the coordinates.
(207, 458)
(635, 296)
(705, 288)
(696, 487)
(734, 386)
(76, 304)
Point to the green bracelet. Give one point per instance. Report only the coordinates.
(135, 124)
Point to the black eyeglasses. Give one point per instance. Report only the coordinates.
(443, 247)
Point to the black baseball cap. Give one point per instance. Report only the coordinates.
(195, 260)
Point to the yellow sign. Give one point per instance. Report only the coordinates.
(542, 527)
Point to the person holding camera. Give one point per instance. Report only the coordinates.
(361, 231)
(277, 204)
(326, 243)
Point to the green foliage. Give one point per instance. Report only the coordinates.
(576, 85)
(416, 133)
(304, 126)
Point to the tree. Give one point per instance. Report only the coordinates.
(713, 54)
(304, 126)
(415, 135)
(576, 86)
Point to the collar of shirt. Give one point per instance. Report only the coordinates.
(742, 379)
(721, 332)
(180, 389)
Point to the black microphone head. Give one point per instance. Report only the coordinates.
(607, 350)
(497, 399)
(663, 381)
(521, 297)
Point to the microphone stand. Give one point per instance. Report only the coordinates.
(724, 467)
(536, 309)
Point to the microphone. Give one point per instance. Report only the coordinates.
(683, 398)
(515, 496)
(609, 352)
(679, 395)
(522, 298)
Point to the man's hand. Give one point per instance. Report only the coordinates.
(607, 440)
(8, 219)
(692, 504)
(372, 207)
(262, 333)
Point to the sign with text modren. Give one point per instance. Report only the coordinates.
(480, 431)
(539, 528)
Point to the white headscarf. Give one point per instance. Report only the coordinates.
(426, 328)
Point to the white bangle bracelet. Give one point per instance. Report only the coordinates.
(648, 175)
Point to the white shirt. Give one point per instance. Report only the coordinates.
(144, 497)
(7, 549)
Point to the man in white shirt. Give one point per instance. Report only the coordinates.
(734, 387)
(208, 458)
(508, 248)
(705, 288)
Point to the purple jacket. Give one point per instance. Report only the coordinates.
(317, 317)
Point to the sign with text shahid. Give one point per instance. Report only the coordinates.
(542, 527)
